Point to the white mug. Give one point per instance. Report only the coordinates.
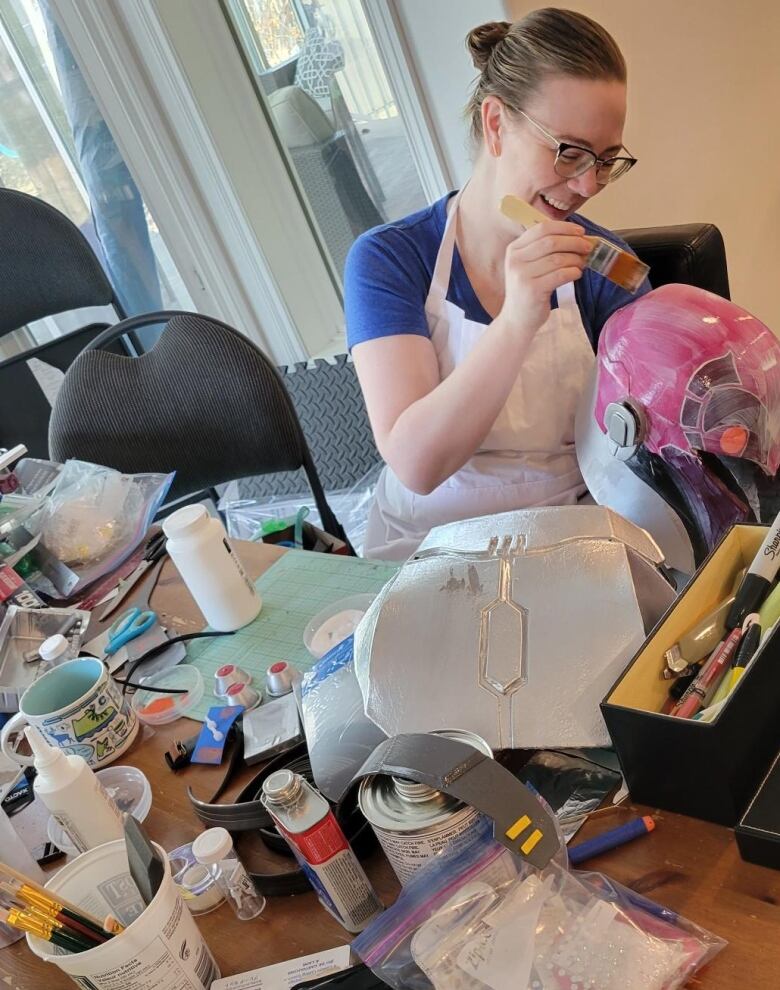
(80, 709)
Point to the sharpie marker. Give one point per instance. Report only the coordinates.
(759, 578)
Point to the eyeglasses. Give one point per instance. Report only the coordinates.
(571, 160)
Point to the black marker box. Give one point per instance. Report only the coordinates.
(758, 834)
(706, 770)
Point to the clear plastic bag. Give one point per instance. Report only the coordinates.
(94, 519)
(573, 784)
(245, 517)
(478, 918)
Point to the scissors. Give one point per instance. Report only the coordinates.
(130, 625)
(155, 551)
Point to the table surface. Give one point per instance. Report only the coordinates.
(690, 866)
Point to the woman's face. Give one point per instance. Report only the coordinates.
(587, 113)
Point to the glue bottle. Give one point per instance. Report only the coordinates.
(214, 849)
(199, 547)
(73, 794)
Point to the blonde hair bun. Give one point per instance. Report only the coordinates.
(483, 39)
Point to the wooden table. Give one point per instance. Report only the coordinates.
(688, 865)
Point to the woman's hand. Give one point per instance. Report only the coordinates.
(544, 257)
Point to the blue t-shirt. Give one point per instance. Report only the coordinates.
(389, 270)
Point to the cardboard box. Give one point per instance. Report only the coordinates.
(758, 833)
(707, 770)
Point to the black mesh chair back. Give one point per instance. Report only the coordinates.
(46, 265)
(205, 402)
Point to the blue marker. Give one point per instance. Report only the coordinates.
(609, 840)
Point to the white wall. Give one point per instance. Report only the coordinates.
(703, 87)
(704, 80)
(435, 32)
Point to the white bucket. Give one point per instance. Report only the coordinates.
(160, 947)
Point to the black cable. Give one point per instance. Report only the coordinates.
(156, 651)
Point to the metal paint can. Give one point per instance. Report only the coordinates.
(412, 821)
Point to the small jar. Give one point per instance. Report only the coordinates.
(56, 650)
(214, 849)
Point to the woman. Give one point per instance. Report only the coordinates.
(471, 343)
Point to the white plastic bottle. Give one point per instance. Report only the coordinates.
(73, 794)
(199, 547)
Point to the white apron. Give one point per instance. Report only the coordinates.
(528, 457)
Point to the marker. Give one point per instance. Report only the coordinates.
(709, 677)
(611, 839)
(758, 580)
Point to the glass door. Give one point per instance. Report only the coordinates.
(317, 70)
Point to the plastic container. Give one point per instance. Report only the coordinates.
(208, 565)
(127, 787)
(55, 650)
(214, 849)
(334, 623)
(157, 708)
(149, 953)
(73, 794)
(198, 888)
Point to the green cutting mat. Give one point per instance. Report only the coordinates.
(294, 589)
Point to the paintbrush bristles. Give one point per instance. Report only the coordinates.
(617, 265)
(47, 897)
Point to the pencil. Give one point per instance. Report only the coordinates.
(32, 893)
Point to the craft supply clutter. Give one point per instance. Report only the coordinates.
(380, 762)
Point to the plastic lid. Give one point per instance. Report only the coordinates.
(130, 791)
(43, 753)
(212, 845)
(334, 623)
(158, 708)
(53, 647)
(185, 521)
(281, 786)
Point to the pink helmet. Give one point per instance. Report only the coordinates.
(687, 393)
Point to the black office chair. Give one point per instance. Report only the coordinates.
(46, 267)
(693, 253)
(204, 401)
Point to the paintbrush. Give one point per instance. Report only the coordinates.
(45, 930)
(55, 917)
(146, 866)
(606, 258)
(32, 893)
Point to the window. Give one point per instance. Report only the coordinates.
(319, 74)
(55, 145)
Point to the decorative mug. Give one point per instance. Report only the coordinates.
(80, 709)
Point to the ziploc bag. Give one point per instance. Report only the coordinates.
(94, 519)
(479, 918)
